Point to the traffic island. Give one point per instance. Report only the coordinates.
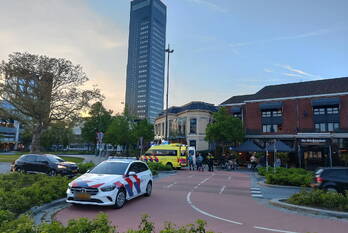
(282, 203)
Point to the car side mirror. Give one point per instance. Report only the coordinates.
(132, 174)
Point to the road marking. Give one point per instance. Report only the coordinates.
(188, 199)
(256, 195)
(274, 230)
(190, 176)
(255, 191)
(171, 185)
(222, 189)
(230, 177)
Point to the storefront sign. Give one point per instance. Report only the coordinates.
(313, 141)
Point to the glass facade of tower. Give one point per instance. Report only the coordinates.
(146, 58)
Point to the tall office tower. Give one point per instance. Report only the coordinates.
(146, 58)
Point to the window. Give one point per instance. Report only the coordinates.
(266, 114)
(193, 126)
(165, 152)
(271, 128)
(277, 113)
(326, 127)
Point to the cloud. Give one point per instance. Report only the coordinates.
(298, 73)
(293, 37)
(268, 70)
(210, 5)
(72, 30)
(293, 75)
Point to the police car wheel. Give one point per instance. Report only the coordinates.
(148, 189)
(120, 199)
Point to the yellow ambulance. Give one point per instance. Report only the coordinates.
(174, 155)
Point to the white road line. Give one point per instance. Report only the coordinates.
(255, 191)
(188, 199)
(256, 195)
(222, 189)
(171, 185)
(190, 176)
(230, 177)
(273, 230)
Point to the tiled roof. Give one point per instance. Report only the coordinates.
(318, 87)
(237, 99)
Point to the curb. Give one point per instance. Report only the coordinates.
(262, 183)
(45, 212)
(36, 209)
(311, 210)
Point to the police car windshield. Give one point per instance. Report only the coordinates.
(110, 168)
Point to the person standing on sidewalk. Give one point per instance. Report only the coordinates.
(190, 162)
(199, 162)
(210, 160)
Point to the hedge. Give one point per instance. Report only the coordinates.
(101, 224)
(156, 167)
(84, 167)
(19, 192)
(287, 176)
(321, 199)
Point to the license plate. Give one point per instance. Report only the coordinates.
(82, 196)
(74, 171)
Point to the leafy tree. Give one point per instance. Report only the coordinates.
(224, 129)
(42, 90)
(120, 132)
(143, 130)
(98, 121)
(59, 133)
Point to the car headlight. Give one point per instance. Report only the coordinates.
(69, 185)
(108, 188)
(61, 167)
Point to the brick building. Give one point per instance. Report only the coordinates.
(311, 117)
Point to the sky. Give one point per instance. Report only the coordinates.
(221, 48)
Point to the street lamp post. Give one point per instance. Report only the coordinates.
(169, 51)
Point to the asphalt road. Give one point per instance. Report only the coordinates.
(223, 199)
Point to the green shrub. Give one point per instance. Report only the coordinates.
(156, 167)
(84, 167)
(20, 192)
(321, 199)
(100, 224)
(287, 176)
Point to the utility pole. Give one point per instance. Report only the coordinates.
(169, 51)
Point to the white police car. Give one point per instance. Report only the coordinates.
(112, 182)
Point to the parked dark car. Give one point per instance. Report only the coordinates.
(46, 163)
(332, 179)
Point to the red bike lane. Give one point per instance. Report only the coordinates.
(221, 198)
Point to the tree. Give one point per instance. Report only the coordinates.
(120, 132)
(58, 133)
(224, 129)
(143, 130)
(99, 120)
(41, 90)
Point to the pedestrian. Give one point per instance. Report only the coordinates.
(253, 161)
(199, 162)
(210, 160)
(190, 162)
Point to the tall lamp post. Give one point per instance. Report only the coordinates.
(169, 51)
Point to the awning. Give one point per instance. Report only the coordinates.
(236, 110)
(326, 102)
(279, 146)
(248, 146)
(272, 105)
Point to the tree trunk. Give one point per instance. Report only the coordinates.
(36, 140)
